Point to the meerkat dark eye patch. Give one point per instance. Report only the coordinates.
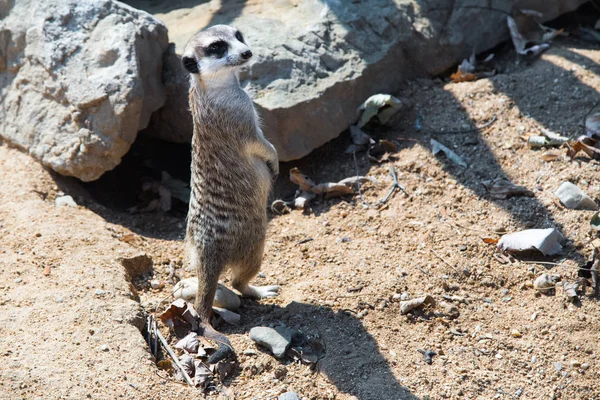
(238, 36)
(190, 64)
(217, 49)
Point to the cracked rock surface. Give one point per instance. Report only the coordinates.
(78, 80)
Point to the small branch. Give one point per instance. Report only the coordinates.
(175, 359)
(395, 185)
(444, 261)
(473, 130)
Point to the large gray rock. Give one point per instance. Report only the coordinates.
(78, 80)
(317, 61)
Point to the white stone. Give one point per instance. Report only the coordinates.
(78, 79)
(65, 201)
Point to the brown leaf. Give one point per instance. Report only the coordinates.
(459, 76)
(575, 147)
(490, 240)
(380, 151)
(183, 310)
(503, 189)
(550, 156)
(300, 179)
(332, 189)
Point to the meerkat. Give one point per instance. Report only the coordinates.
(233, 167)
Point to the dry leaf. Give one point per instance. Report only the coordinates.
(550, 156)
(381, 151)
(524, 29)
(409, 305)
(165, 365)
(183, 310)
(503, 189)
(301, 180)
(544, 240)
(332, 189)
(575, 147)
(459, 76)
(202, 375)
(384, 106)
(189, 343)
(437, 147)
(490, 240)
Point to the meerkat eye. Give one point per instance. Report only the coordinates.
(238, 36)
(217, 49)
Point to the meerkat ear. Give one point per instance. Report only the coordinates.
(190, 64)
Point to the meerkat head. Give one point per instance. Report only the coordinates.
(216, 52)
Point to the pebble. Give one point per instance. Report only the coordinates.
(575, 364)
(104, 347)
(65, 201)
(516, 333)
(18, 280)
(585, 366)
(289, 396)
(156, 284)
(544, 283)
(558, 366)
(573, 197)
(277, 340)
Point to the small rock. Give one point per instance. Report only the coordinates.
(407, 306)
(18, 280)
(289, 396)
(575, 364)
(224, 297)
(545, 283)
(428, 354)
(277, 340)
(516, 333)
(156, 284)
(573, 197)
(558, 366)
(65, 201)
(104, 347)
(250, 352)
(585, 366)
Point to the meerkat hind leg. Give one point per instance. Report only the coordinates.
(244, 271)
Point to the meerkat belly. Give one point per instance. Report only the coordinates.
(229, 206)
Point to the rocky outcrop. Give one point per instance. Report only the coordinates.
(317, 61)
(78, 80)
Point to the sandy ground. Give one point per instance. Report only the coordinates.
(70, 320)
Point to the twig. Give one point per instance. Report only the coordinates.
(305, 240)
(444, 261)
(473, 130)
(422, 270)
(590, 111)
(395, 185)
(175, 359)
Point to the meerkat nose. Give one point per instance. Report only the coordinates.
(246, 55)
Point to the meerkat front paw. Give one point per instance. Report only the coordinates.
(260, 292)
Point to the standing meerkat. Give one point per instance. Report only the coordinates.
(233, 167)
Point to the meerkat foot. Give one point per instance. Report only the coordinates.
(260, 292)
